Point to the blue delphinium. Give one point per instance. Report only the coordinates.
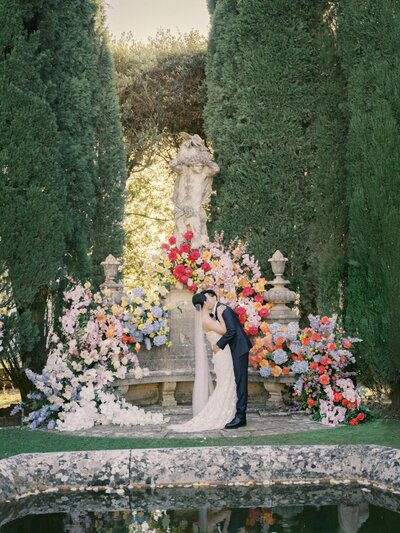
(159, 340)
(280, 357)
(156, 311)
(300, 367)
(266, 372)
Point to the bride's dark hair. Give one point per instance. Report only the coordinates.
(198, 299)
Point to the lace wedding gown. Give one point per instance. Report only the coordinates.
(221, 405)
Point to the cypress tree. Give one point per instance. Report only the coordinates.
(107, 229)
(269, 124)
(32, 187)
(369, 36)
(68, 32)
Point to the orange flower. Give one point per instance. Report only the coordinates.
(279, 342)
(110, 333)
(264, 327)
(276, 371)
(285, 371)
(324, 379)
(101, 318)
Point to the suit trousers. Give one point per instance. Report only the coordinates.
(241, 371)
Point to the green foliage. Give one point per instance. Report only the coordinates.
(162, 93)
(272, 117)
(32, 187)
(61, 158)
(107, 225)
(369, 36)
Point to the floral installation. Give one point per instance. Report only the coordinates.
(319, 356)
(145, 320)
(230, 271)
(74, 390)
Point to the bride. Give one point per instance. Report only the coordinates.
(214, 411)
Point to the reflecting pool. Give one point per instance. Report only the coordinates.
(277, 508)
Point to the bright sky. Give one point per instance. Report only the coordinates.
(144, 17)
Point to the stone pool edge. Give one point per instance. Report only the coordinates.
(116, 470)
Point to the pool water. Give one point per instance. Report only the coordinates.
(308, 509)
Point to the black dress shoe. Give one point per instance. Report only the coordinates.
(236, 423)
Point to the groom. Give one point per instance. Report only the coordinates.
(240, 345)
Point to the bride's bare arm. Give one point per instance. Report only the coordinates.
(210, 324)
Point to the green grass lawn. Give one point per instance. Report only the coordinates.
(14, 441)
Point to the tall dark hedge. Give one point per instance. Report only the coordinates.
(272, 116)
(61, 158)
(107, 234)
(369, 34)
(33, 200)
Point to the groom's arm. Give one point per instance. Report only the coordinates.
(230, 328)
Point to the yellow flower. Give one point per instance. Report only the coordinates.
(137, 300)
(215, 263)
(260, 285)
(124, 302)
(207, 280)
(107, 292)
(141, 326)
(206, 255)
(137, 311)
(231, 295)
(147, 305)
(169, 344)
(258, 306)
(264, 363)
(87, 285)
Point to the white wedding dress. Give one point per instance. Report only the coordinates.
(221, 405)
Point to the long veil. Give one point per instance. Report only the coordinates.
(203, 386)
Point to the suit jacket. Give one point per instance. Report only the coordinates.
(235, 335)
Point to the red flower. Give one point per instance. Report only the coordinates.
(172, 240)
(313, 365)
(193, 287)
(188, 235)
(361, 416)
(285, 370)
(315, 337)
(165, 246)
(310, 402)
(188, 271)
(324, 320)
(353, 422)
(321, 369)
(240, 310)
(324, 379)
(247, 291)
(263, 312)
(179, 270)
(173, 255)
(242, 319)
(185, 248)
(206, 267)
(331, 346)
(194, 255)
(337, 397)
(325, 360)
(253, 330)
(259, 298)
(345, 402)
(347, 344)
(184, 279)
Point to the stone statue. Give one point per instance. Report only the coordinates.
(193, 188)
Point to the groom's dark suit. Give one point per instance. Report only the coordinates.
(240, 345)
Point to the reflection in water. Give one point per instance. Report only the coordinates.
(339, 509)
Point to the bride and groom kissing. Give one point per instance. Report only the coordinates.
(224, 407)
